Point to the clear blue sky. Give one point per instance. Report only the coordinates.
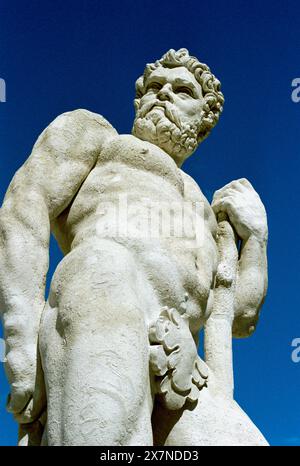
(58, 56)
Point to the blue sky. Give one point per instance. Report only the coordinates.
(58, 56)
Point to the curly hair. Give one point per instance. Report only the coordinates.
(210, 85)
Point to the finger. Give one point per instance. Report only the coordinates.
(244, 182)
(33, 404)
(237, 186)
(234, 185)
(230, 191)
(32, 411)
(17, 399)
(223, 205)
(218, 195)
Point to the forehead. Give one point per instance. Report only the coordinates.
(178, 75)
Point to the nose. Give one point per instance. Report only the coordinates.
(165, 92)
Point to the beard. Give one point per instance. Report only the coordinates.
(161, 125)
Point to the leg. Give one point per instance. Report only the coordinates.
(212, 421)
(94, 346)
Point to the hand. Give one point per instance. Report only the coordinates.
(27, 399)
(244, 208)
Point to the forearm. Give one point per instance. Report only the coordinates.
(252, 280)
(248, 217)
(24, 240)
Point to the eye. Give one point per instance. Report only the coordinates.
(184, 90)
(154, 86)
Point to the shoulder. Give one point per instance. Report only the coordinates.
(77, 125)
(82, 116)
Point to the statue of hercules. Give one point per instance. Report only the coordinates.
(111, 357)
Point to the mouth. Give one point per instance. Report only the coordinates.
(166, 108)
(157, 104)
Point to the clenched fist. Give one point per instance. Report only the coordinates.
(244, 208)
(27, 398)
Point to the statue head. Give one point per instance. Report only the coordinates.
(178, 101)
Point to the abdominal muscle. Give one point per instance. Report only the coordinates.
(172, 265)
(169, 272)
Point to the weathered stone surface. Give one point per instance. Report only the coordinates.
(147, 263)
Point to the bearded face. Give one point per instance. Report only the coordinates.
(170, 112)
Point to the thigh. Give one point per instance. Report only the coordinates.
(98, 390)
(95, 352)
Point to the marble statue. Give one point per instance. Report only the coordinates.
(110, 358)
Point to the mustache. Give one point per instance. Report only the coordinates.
(169, 110)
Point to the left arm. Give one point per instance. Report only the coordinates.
(251, 286)
(248, 217)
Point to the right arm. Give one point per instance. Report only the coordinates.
(42, 188)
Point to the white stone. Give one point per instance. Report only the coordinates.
(117, 339)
